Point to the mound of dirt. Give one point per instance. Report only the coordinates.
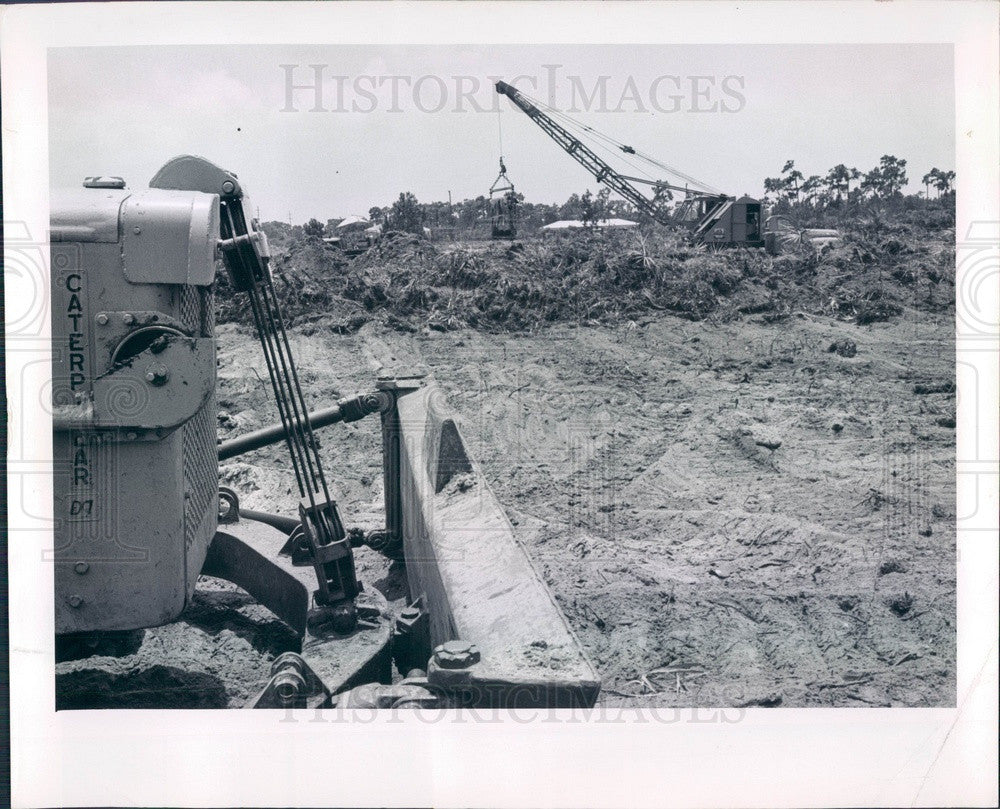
(216, 656)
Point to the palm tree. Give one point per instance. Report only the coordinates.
(792, 183)
(772, 185)
(791, 179)
(852, 174)
(871, 182)
(835, 180)
(893, 170)
(839, 180)
(927, 179)
(810, 186)
(943, 181)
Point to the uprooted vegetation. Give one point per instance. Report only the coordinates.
(589, 277)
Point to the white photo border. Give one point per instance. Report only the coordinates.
(784, 757)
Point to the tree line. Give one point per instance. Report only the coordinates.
(884, 181)
(473, 215)
(790, 190)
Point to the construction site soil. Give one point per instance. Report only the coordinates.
(743, 502)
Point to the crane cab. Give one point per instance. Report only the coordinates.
(733, 223)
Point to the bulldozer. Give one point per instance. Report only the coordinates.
(140, 515)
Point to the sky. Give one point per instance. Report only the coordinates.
(424, 119)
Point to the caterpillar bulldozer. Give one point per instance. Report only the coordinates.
(140, 515)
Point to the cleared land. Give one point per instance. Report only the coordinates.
(750, 503)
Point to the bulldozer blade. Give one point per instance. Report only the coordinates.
(467, 567)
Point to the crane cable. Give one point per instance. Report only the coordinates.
(503, 167)
(500, 133)
(571, 123)
(620, 147)
(576, 125)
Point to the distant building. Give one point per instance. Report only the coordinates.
(353, 222)
(354, 235)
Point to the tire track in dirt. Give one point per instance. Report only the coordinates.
(834, 463)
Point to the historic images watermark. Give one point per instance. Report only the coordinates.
(600, 714)
(320, 88)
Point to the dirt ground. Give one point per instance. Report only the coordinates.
(734, 514)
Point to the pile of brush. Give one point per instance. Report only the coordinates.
(593, 277)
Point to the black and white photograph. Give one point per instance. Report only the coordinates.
(617, 382)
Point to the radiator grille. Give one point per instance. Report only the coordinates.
(199, 441)
(190, 306)
(201, 470)
(207, 311)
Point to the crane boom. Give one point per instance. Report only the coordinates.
(712, 208)
(583, 155)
